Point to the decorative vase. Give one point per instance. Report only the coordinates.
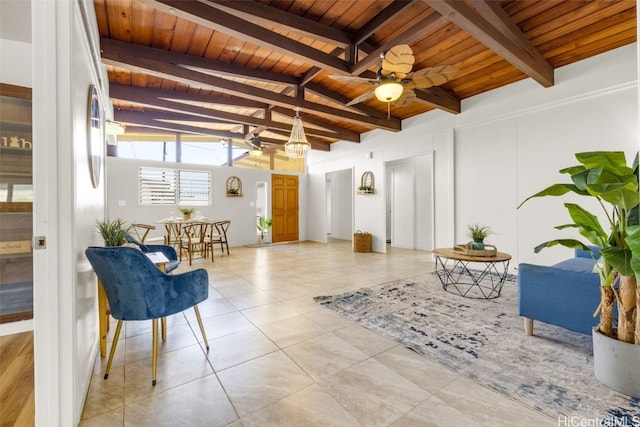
(186, 217)
(477, 244)
(615, 364)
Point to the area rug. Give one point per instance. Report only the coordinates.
(484, 340)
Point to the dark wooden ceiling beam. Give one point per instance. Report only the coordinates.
(120, 90)
(439, 98)
(191, 77)
(218, 20)
(115, 47)
(164, 120)
(508, 46)
(354, 137)
(340, 99)
(379, 20)
(145, 120)
(197, 113)
(262, 14)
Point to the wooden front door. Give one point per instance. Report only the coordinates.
(284, 208)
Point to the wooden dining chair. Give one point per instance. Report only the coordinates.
(172, 238)
(192, 240)
(220, 235)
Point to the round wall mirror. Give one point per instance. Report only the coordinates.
(95, 135)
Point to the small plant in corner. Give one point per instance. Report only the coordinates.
(113, 232)
(365, 188)
(263, 226)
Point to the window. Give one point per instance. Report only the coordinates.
(193, 188)
(157, 186)
(160, 186)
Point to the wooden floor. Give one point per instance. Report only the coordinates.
(17, 404)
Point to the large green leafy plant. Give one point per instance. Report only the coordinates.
(606, 177)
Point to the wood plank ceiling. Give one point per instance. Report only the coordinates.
(234, 68)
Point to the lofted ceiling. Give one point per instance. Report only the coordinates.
(234, 68)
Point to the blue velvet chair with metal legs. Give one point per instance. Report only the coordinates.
(138, 290)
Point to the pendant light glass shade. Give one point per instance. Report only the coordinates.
(297, 146)
(388, 91)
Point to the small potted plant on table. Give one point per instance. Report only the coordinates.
(186, 212)
(478, 233)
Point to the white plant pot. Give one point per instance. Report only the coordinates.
(616, 364)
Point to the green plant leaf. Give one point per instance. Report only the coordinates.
(588, 225)
(615, 160)
(619, 259)
(556, 190)
(569, 243)
(633, 241)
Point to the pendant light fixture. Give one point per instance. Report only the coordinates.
(297, 146)
(389, 91)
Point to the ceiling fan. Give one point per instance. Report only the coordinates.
(255, 145)
(395, 81)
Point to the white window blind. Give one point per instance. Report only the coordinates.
(194, 187)
(157, 186)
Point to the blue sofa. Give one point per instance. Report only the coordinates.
(565, 294)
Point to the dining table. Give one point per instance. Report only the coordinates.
(173, 227)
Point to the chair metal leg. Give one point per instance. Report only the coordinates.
(154, 351)
(113, 348)
(163, 323)
(204, 335)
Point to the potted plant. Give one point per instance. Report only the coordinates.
(113, 232)
(605, 176)
(186, 212)
(477, 233)
(263, 226)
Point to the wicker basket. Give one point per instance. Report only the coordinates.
(488, 251)
(361, 242)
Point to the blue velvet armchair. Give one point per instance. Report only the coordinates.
(138, 290)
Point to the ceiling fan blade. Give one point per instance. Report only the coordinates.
(351, 79)
(408, 96)
(433, 76)
(398, 60)
(360, 99)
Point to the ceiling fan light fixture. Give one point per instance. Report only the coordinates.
(389, 91)
(255, 152)
(297, 147)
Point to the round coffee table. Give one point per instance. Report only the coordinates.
(456, 275)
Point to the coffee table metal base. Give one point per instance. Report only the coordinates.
(457, 278)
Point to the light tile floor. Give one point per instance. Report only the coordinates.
(279, 359)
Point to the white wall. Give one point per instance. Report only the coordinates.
(509, 143)
(122, 188)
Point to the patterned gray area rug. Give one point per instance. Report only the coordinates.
(485, 341)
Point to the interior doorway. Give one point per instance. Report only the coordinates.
(339, 203)
(409, 203)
